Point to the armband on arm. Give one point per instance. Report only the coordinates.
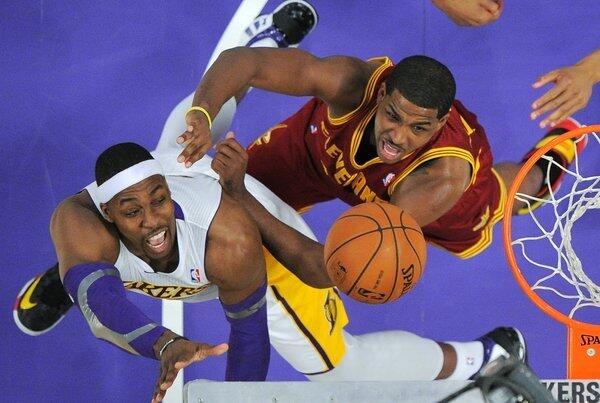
(98, 291)
(249, 347)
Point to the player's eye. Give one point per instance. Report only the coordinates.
(132, 213)
(418, 129)
(159, 201)
(392, 115)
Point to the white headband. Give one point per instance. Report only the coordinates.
(128, 177)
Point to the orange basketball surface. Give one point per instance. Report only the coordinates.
(375, 252)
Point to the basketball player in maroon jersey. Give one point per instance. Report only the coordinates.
(373, 131)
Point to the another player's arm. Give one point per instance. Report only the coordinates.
(235, 263)
(87, 247)
(571, 92)
(473, 13)
(433, 189)
(297, 252)
(338, 80)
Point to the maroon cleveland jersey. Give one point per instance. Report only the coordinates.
(311, 157)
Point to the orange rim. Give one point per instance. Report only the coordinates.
(507, 233)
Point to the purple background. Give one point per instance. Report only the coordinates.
(78, 77)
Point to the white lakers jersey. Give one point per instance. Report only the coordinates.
(197, 194)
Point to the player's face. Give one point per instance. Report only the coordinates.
(401, 127)
(145, 217)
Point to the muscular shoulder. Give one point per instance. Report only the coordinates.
(433, 188)
(353, 74)
(450, 174)
(80, 234)
(452, 169)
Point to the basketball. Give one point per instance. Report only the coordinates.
(375, 252)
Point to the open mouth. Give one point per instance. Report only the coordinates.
(158, 243)
(388, 150)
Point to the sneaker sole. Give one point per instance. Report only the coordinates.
(304, 3)
(18, 322)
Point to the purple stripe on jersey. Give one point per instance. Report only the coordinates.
(178, 211)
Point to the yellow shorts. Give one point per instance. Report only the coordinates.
(305, 323)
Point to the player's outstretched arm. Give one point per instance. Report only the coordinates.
(471, 13)
(571, 92)
(235, 263)
(87, 250)
(297, 252)
(338, 80)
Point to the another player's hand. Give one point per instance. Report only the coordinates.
(230, 163)
(179, 355)
(571, 92)
(471, 13)
(196, 139)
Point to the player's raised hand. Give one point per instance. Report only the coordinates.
(230, 163)
(178, 355)
(196, 139)
(471, 13)
(571, 92)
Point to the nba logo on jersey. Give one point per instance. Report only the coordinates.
(313, 129)
(196, 275)
(388, 179)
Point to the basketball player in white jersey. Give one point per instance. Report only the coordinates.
(126, 229)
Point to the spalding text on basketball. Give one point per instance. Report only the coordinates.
(408, 274)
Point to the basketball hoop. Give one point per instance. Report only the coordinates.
(548, 268)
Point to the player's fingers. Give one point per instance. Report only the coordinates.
(163, 373)
(184, 137)
(198, 153)
(187, 152)
(169, 379)
(220, 164)
(206, 350)
(203, 351)
(192, 153)
(225, 151)
(215, 164)
(234, 150)
(551, 105)
(228, 148)
(158, 393)
(492, 7)
(546, 78)
(221, 169)
(155, 393)
(233, 143)
(565, 110)
(158, 396)
(543, 103)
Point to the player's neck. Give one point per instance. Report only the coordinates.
(367, 150)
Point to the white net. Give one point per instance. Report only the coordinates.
(562, 273)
